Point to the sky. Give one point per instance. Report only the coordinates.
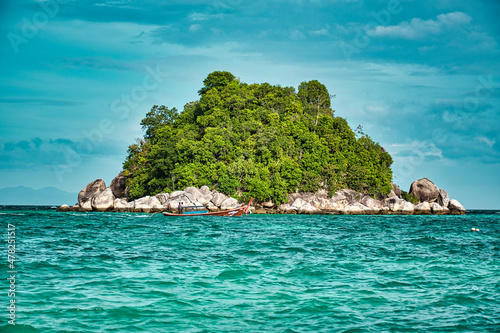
(421, 77)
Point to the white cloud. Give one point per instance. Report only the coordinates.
(418, 28)
(296, 34)
(415, 149)
(195, 28)
(205, 17)
(320, 32)
(454, 19)
(375, 109)
(484, 139)
(424, 49)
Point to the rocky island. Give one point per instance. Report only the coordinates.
(282, 147)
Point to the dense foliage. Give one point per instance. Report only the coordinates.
(409, 197)
(255, 140)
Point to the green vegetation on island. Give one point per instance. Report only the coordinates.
(255, 140)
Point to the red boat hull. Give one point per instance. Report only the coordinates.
(239, 211)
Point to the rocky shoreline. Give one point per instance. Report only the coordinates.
(431, 200)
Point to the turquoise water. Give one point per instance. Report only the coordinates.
(111, 272)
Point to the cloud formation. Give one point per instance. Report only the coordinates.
(417, 28)
(38, 153)
(426, 78)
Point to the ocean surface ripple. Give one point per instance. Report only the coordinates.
(111, 272)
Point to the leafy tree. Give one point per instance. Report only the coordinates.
(156, 118)
(316, 98)
(409, 197)
(314, 93)
(217, 80)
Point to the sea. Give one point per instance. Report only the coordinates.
(130, 272)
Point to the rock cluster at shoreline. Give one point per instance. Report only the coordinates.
(432, 200)
(351, 202)
(97, 197)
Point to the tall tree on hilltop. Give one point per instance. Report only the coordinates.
(217, 79)
(316, 98)
(158, 117)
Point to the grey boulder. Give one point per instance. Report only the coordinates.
(424, 190)
(118, 185)
(103, 201)
(89, 192)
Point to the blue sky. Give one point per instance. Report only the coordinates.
(421, 77)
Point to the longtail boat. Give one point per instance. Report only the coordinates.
(238, 211)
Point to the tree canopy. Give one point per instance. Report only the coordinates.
(255, 140)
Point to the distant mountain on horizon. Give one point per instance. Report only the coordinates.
(47, 196)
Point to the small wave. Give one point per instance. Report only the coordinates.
(203, 284)
(92, 309)
(18, 328)
(313, 306)
(105, 256)
(179, 303)
(282, 296)
(233, 274)
(250, 253)
(393, 284)
(193, 315)
(127, 312)
(294, 249)
(426, 240)
(306, 272)
(450, 300)
(374, 300)
(163, 294)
